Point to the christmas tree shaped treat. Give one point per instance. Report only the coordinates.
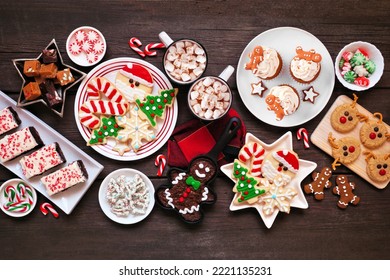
(108, 128)
(154, 106)
(246, 185)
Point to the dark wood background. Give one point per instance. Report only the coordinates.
(224, 27)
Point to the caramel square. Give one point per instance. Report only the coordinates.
(31, 68)
(48, 70)
(65, 77)
(31, 91)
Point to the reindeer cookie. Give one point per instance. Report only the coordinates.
(345, 150)
(344, 189)
(319, 183)
(346, 117)
(373, 133)
(378, 166)
(188, 189)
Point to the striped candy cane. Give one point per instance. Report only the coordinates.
(148, 49)
(160, 162)
(134, 44)
(254, 152)
(102, 85)
(46, 207)
(302, 132)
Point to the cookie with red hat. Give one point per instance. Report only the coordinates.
(134, 81)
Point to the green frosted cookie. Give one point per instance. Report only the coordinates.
(370, 66)
(350, 76)
(358, 59)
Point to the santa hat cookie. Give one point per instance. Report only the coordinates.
(137, 73)
(288, 159)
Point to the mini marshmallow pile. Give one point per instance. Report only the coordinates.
(209, 98)
(185, 61)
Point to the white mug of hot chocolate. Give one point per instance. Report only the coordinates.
(184, 61)
(210, 98)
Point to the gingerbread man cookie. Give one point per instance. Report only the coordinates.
(256, 57)
(319, 183)
(273, 104)
(373, 133)
(188, 189)
(310, 55)
(378, 166)
(345, 150)
(346, 117)
(344, 189)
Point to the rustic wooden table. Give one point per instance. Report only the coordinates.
(323, 231)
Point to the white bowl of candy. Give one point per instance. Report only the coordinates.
(17, 198)
(359, 66)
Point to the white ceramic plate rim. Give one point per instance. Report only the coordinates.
(68, 199)
(276, 38)
(131, 219)
(375, 55)
(15, 181)
(80, 59)
(165, 126)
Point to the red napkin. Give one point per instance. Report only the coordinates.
(194, 138)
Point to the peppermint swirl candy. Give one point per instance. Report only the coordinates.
(350, 76)
(358, 59)
(19, 199)
(370, 66)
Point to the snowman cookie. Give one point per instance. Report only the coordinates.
(189, 189)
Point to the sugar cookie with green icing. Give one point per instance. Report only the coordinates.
(155, 105)
(136, 131)
(108, 128)
(247, 186)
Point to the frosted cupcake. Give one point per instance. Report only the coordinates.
(264, 63)
(305, 66)
(283, 100)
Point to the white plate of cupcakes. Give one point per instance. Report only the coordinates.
(285, 76)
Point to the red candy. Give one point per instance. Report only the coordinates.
(362, 81)
(343, 119)
(364, 52)
(347, 56)
(351, 149)
(382, 172)
(372, 135)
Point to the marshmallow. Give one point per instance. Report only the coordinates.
(188, 57)
(194, 95)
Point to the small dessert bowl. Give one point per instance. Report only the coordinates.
(17, 198)
(184, 61)
(359, 81)
(210, 98)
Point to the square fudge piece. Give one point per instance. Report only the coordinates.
(9, 120)
(50, 94)
(42, 160)
(31, 68)
(31, 91)
(65, 178)
(49, 56)
(65, 77)
(48, 70)
(18, 143)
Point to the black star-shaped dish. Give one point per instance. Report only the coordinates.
(47, 84)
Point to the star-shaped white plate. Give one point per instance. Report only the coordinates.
(305, 168)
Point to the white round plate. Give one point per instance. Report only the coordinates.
(165, 126)
(285, 40)
(81, 58)
(131, 219)
(3, 199)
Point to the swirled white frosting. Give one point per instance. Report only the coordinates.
(270, 64)
(287, 97)
(304, 70)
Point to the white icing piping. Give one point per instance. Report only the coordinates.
(169, 198)
(178, 178)
(200, 175)
(205, 194)
(189, 211)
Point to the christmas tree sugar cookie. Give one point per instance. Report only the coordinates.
(246, 185)
(155, 105)
(136, 131)
(108, 128)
